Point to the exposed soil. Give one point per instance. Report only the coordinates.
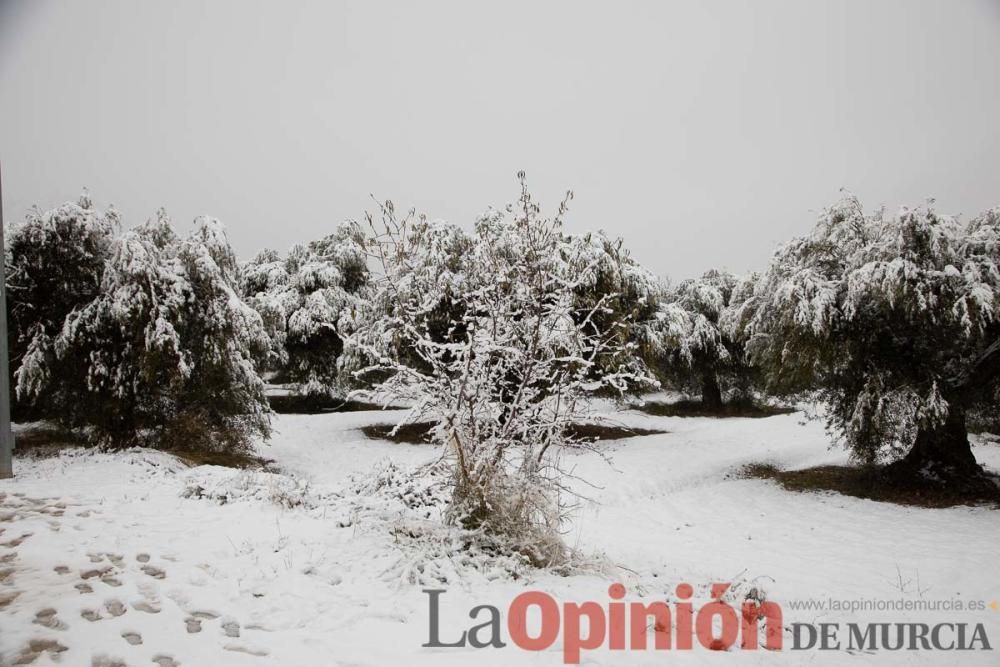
(875, 483)
(696, 409)
(311, 405)
(418, 434)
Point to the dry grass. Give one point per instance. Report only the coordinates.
(872, 483)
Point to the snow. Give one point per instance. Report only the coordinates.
(287, 559)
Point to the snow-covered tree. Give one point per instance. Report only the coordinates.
(627, 292)
(307, 302)
(428, 262)
(164, 353)
(264, 285)
(504, 377)
(697, 354)
(895, 320)
(54, 264)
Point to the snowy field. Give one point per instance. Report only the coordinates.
(135, 558)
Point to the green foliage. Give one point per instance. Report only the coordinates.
(54, 264)
(163, 354)
(891, 319)
(697, 352)
(308, 301)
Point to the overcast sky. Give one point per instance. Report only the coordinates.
(704, 133)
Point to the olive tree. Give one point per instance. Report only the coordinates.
(54, 265)
(164, 353)
(307, 301)
(697, 353)
(895, 321)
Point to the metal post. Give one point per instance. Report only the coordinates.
(6, 437)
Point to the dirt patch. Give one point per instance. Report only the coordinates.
(44, 439)
(872, 483)
(419, 433)
(696, 409)
(311, 405)
(47, 440)
(413, 434)
(595, 432)
(240, 460)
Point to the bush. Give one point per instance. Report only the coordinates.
(512, 371)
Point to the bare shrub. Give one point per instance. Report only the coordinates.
(495, 351)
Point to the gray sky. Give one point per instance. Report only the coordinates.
(705, 133)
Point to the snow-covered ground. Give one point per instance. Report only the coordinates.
(133, 558)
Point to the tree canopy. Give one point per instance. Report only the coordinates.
(164, 353)
(893, 320)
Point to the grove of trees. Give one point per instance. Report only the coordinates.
(500, 336)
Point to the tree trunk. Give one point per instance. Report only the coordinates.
(942, 455)
(711, 394)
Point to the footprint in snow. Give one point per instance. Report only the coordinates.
(249, 650)
(115, 607)
(7, 597)
(47, 618)
(231, 628)
(146, 607)
(96, 572)
(35, 649)
(193, 621)
(133, 638)
(16, 542)
(150, 603)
